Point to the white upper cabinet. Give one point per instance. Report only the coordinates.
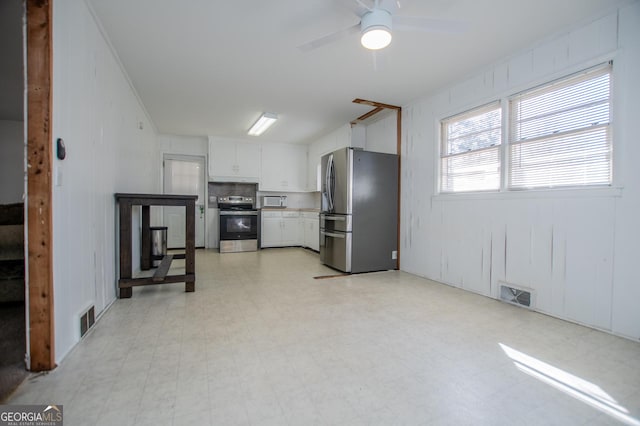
(233, 161)
(284, 167)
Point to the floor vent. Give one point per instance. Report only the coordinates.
(515, 296)
(87, 320)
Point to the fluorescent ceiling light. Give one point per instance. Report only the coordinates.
(264, 122)
(375, 27)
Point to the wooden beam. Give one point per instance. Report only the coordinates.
(376, 104)
(126, 267)
(399, 152)
(190, 245)
(169, 279)
(145, 244)
(367, 115)
(39, 185)
(162, 271)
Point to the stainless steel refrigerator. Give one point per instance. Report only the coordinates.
(359, 218)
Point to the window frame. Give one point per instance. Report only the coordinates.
(504, 103)
(444, 140)
(579, 77)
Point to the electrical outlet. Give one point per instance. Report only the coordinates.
(394, 254)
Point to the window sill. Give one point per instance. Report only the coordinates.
(603, 192)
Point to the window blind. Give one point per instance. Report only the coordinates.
(560, 134)
(470, 151)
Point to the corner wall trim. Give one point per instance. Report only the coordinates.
(39, 184)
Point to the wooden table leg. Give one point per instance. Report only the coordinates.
(190, 244)
(125, 247)
(145, 244)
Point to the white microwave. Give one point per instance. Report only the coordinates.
(274, 201)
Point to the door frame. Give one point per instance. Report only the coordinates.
(205, 182)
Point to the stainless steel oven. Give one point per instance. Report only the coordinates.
(238, 224)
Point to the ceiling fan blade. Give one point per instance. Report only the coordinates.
(361, 7)
(319, 42)
(390, 6)
(432, 25)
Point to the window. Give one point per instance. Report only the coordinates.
(470, 152)
(560, 134)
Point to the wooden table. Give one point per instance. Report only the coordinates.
(126, 282)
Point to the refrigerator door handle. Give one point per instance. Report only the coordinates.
(330, 182)
(332, 234)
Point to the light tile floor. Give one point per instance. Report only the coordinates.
(261, 342)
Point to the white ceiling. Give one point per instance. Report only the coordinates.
(211, 67)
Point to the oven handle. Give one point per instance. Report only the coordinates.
(237, 213)
(332, 234)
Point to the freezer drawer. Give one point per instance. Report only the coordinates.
(335, 249)
(336, 222)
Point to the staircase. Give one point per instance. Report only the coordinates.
(12, 298)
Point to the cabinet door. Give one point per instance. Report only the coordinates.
(222, 158)
(271, 232)
(314, 234)
(273, 168)
(290, 231)
(311, 232)
(297, 176)
(284, 167)
(248, 161)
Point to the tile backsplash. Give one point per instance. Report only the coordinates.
(221, 189)
(295, 200)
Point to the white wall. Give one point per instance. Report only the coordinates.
(111, 147)
(336, 139)
(382, 134)
(183, 145)
(577, 250)
(11, 161)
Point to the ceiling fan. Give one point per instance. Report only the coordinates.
(376, 24)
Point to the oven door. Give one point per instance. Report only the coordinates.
(238, 225)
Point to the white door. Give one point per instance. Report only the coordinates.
(184, 175)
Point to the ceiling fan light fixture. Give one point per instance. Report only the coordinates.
(264, 122)
(375, 27)
(376, 38)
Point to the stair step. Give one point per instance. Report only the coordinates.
(12, 291)
(12, 214)
(12, 253)
(11, 242)
(11, 270)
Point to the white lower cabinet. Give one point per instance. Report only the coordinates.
(280, 228)
(311, 230)
(271, 230)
